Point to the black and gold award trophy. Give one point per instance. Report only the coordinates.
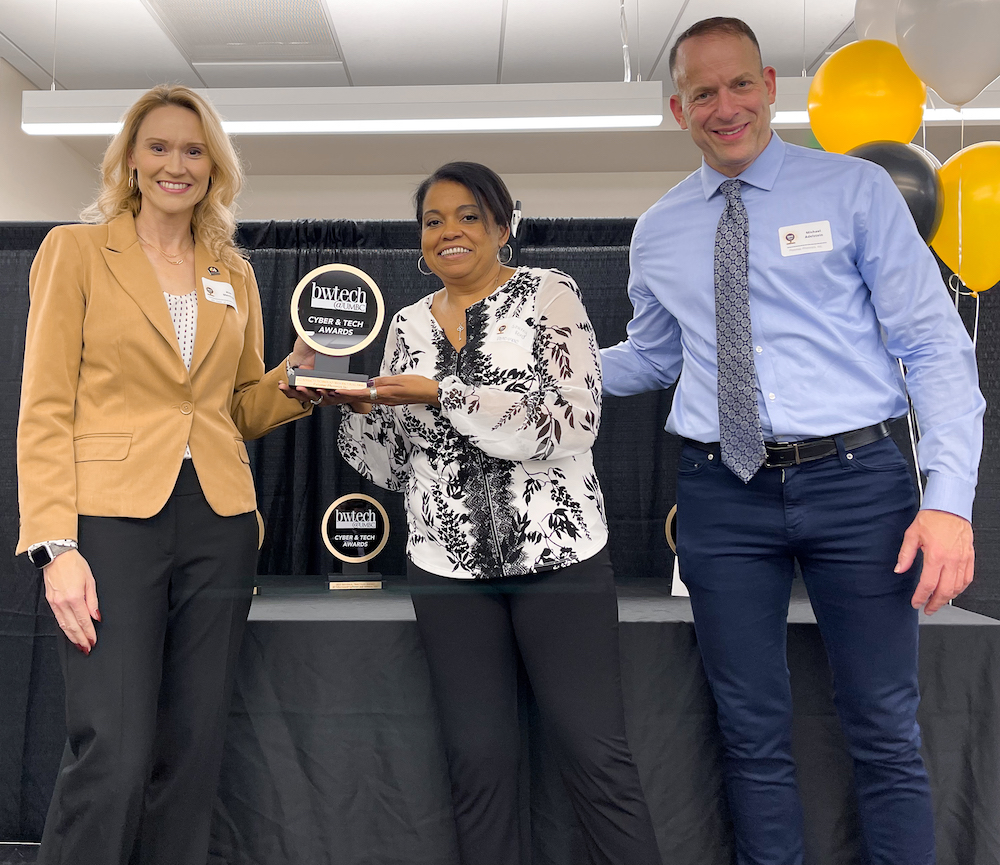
(337, 310)
(355, 530)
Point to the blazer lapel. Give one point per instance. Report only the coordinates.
(128, 263)
(210, 313)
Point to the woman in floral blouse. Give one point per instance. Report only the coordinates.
(484, 415)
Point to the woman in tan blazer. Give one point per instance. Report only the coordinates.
(143, 377)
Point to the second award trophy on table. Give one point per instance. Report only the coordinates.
(355, 530)
(337, 310)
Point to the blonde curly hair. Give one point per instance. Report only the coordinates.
(214, 219)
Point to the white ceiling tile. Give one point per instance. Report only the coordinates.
(20, 61)
(118, 43)
(788, 30)
(28, 25)
(401, 42)
(562, 40)
(651, 32)
(272, 74)
(111, 44)
(235, 31)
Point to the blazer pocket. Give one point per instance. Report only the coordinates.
(102, 446)
(241, 449)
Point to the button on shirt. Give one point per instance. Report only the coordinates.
(827, 325)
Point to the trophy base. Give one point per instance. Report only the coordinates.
(334, 585)
(312, 378)
(355, 575)
(331, 373)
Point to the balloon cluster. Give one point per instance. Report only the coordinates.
(867, 100)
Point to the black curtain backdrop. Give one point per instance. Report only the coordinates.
(299, 473)
(297, 470)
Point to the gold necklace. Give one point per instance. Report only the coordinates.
(167, 257)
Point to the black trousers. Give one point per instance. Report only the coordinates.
(564, 624)
(146, 711)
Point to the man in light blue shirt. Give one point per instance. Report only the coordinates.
(838, 285)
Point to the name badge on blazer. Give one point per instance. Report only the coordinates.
(219, 292)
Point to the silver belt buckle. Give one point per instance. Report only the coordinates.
(786, 449)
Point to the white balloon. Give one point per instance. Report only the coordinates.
(875, 19)
(951, 44)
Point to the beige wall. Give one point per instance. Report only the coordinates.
(40, 178)
(390, 196)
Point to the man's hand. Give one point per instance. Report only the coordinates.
(71, 592)
(949, 559)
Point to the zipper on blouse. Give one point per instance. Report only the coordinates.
(482, 467)
(493, 522)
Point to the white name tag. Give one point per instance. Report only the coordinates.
(219, 292)
(807, 237)
(513, 331)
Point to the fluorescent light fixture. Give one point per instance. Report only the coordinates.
(359, 110)
(952, 116)
(790, 118)
(793, 97)
(933, 116)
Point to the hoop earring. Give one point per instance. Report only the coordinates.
(427, 272)
(133, 178)
(510, 254)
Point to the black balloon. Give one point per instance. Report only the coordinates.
(915, 173)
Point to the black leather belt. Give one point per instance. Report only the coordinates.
(781, 455)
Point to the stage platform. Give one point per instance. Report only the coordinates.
(334, 755)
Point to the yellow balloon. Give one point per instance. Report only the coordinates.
(977, 170)
(865, 92)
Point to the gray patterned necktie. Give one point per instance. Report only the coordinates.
(740, 438)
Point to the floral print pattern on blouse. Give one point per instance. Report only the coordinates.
(499, 480)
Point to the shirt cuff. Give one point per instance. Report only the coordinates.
(349, 414)
(452, 392)
(944, 493)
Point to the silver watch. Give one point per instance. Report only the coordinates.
(44, 553)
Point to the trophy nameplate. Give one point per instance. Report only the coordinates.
(355, 530)
(337, 310)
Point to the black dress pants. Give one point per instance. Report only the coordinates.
(146, 711)
(564, 625)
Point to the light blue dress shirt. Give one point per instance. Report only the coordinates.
(827, 324)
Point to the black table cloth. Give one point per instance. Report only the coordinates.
(334, 756)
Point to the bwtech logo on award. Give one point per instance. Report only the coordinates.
(356, 519)
(342, 299)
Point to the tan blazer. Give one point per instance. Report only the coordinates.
(107, 405)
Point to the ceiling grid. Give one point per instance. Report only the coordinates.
(346, 43)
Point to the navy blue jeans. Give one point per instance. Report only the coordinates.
(843, 519)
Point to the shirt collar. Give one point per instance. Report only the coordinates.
(762, 172)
